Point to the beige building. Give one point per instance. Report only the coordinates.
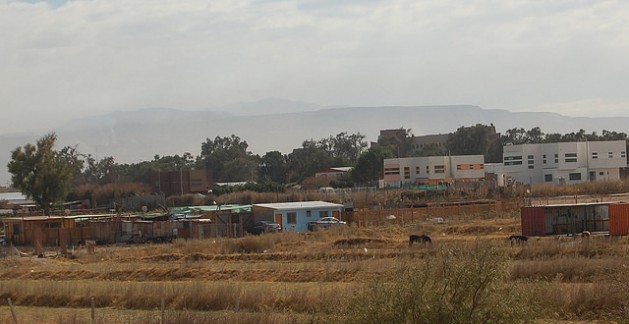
(431, 170)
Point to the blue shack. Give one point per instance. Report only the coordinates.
(295, 216)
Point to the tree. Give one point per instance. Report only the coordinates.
(430, 150)
(370, 164)
(305, 161)
(346, 147)
(218, 156)
(75, 161)
(41, 173)
(401, 141)
(478, 139)
(274, 167)
(102, 172)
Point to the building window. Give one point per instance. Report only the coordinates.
(308, 213)
(623, 154)
(513, 160)
(440, 169)
(391, 171)
(556, 160)
(416, 170)
(601, 173)
(531, 167)
(323, 213)
(407, 173)
(594, 155)
(548, 178)
(530, 157)
(574, 176)
(544, 156)
(544, 161)
(427, 169)
(570, 157)
(611, 155)
(291, 218)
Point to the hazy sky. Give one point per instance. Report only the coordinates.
(65, 59)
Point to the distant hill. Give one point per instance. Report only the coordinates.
(139, 135)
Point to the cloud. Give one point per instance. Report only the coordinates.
(63, 59)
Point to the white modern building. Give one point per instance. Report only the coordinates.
(561, 163)
(432, 170)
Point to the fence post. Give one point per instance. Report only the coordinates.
(93, 309)
(12, 310)
(161, 319)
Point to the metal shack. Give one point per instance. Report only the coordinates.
(295, 216)
(571, 219)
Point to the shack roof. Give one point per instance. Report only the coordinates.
(300, 205)
(16, 198)
(46, 218)
(578, 204)
(212, 208)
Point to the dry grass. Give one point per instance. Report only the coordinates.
(309, 277)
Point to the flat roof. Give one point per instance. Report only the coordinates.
(300, 205)
(579, 204)
(43, 218)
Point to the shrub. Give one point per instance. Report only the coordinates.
(458, 286)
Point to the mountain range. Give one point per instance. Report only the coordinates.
(276, 124)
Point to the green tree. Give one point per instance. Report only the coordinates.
(346, 147)
(430, 150)
(41, 173)
(305, 161)
(370, 164)
(478, 139)
(534, 135)
(401, 142)
(274, 167)
(219, 155)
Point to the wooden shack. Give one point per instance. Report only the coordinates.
(48, 230)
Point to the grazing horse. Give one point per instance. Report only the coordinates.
(418, 239)
(518, 239)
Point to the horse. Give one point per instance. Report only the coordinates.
(418, 239)
(518, 239)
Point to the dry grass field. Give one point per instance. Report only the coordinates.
(344, 275)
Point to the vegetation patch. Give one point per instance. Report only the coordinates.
(358, 241)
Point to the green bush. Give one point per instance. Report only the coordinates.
(457, 286)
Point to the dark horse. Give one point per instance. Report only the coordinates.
(518, 239)
(418, 239)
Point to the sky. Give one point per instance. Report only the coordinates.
(61, 60)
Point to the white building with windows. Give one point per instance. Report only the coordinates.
(562, 163)
(430, 170)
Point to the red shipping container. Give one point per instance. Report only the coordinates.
(619, 219)
(532, 220)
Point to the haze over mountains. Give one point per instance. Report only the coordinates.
(276, 124)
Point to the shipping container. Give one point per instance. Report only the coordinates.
(619, 219)
(532, 220)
